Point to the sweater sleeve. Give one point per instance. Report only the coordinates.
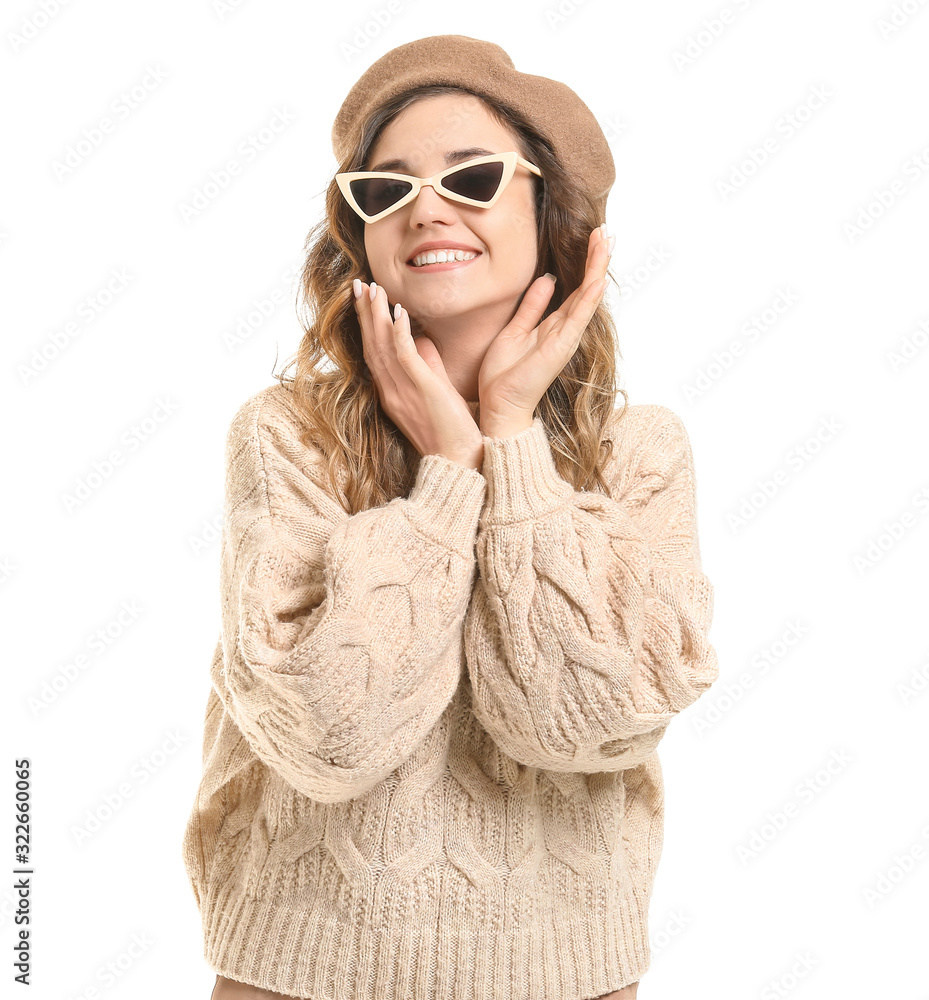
(588, 628)
(341, 635)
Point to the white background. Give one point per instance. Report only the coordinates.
(809, 438)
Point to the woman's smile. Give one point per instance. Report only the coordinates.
(444, 265)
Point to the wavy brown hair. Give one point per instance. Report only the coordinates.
(369, 460)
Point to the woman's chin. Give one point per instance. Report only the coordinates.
(437, 308)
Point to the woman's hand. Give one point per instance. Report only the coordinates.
(524, 359)
(412, 384)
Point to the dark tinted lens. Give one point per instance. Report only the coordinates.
(376, 194)
(479, 182)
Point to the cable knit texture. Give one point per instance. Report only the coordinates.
(429, 754)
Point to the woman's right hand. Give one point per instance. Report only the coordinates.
(412, 384)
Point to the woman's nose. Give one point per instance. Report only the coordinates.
(430, 206)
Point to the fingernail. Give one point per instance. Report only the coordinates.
(397, 311)
(373, 290)
(548, 274)
(356, 288)
(605, 233)
(611, 242)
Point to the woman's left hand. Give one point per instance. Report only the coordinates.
(524, 358)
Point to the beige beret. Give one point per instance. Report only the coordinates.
(552, 107)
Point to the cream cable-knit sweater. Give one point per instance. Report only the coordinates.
(429, 754)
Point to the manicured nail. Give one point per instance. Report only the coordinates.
(548, 274)
(356, 288)
(611, 242)
(396, 312)
(605, 233)
(373, 290)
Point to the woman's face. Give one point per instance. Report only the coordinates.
(489, 286)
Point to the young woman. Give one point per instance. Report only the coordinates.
(462, 594)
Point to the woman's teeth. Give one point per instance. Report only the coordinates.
(440, 256)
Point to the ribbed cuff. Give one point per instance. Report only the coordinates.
(445, 503)
(522, 480)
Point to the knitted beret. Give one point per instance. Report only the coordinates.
(552, 107)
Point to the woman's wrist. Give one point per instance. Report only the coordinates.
(472, 460)
(505, 428)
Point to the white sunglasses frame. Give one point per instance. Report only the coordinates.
(510, 161)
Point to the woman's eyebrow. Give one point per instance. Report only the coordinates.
(455, 156)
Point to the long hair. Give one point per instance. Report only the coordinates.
(369, 460)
